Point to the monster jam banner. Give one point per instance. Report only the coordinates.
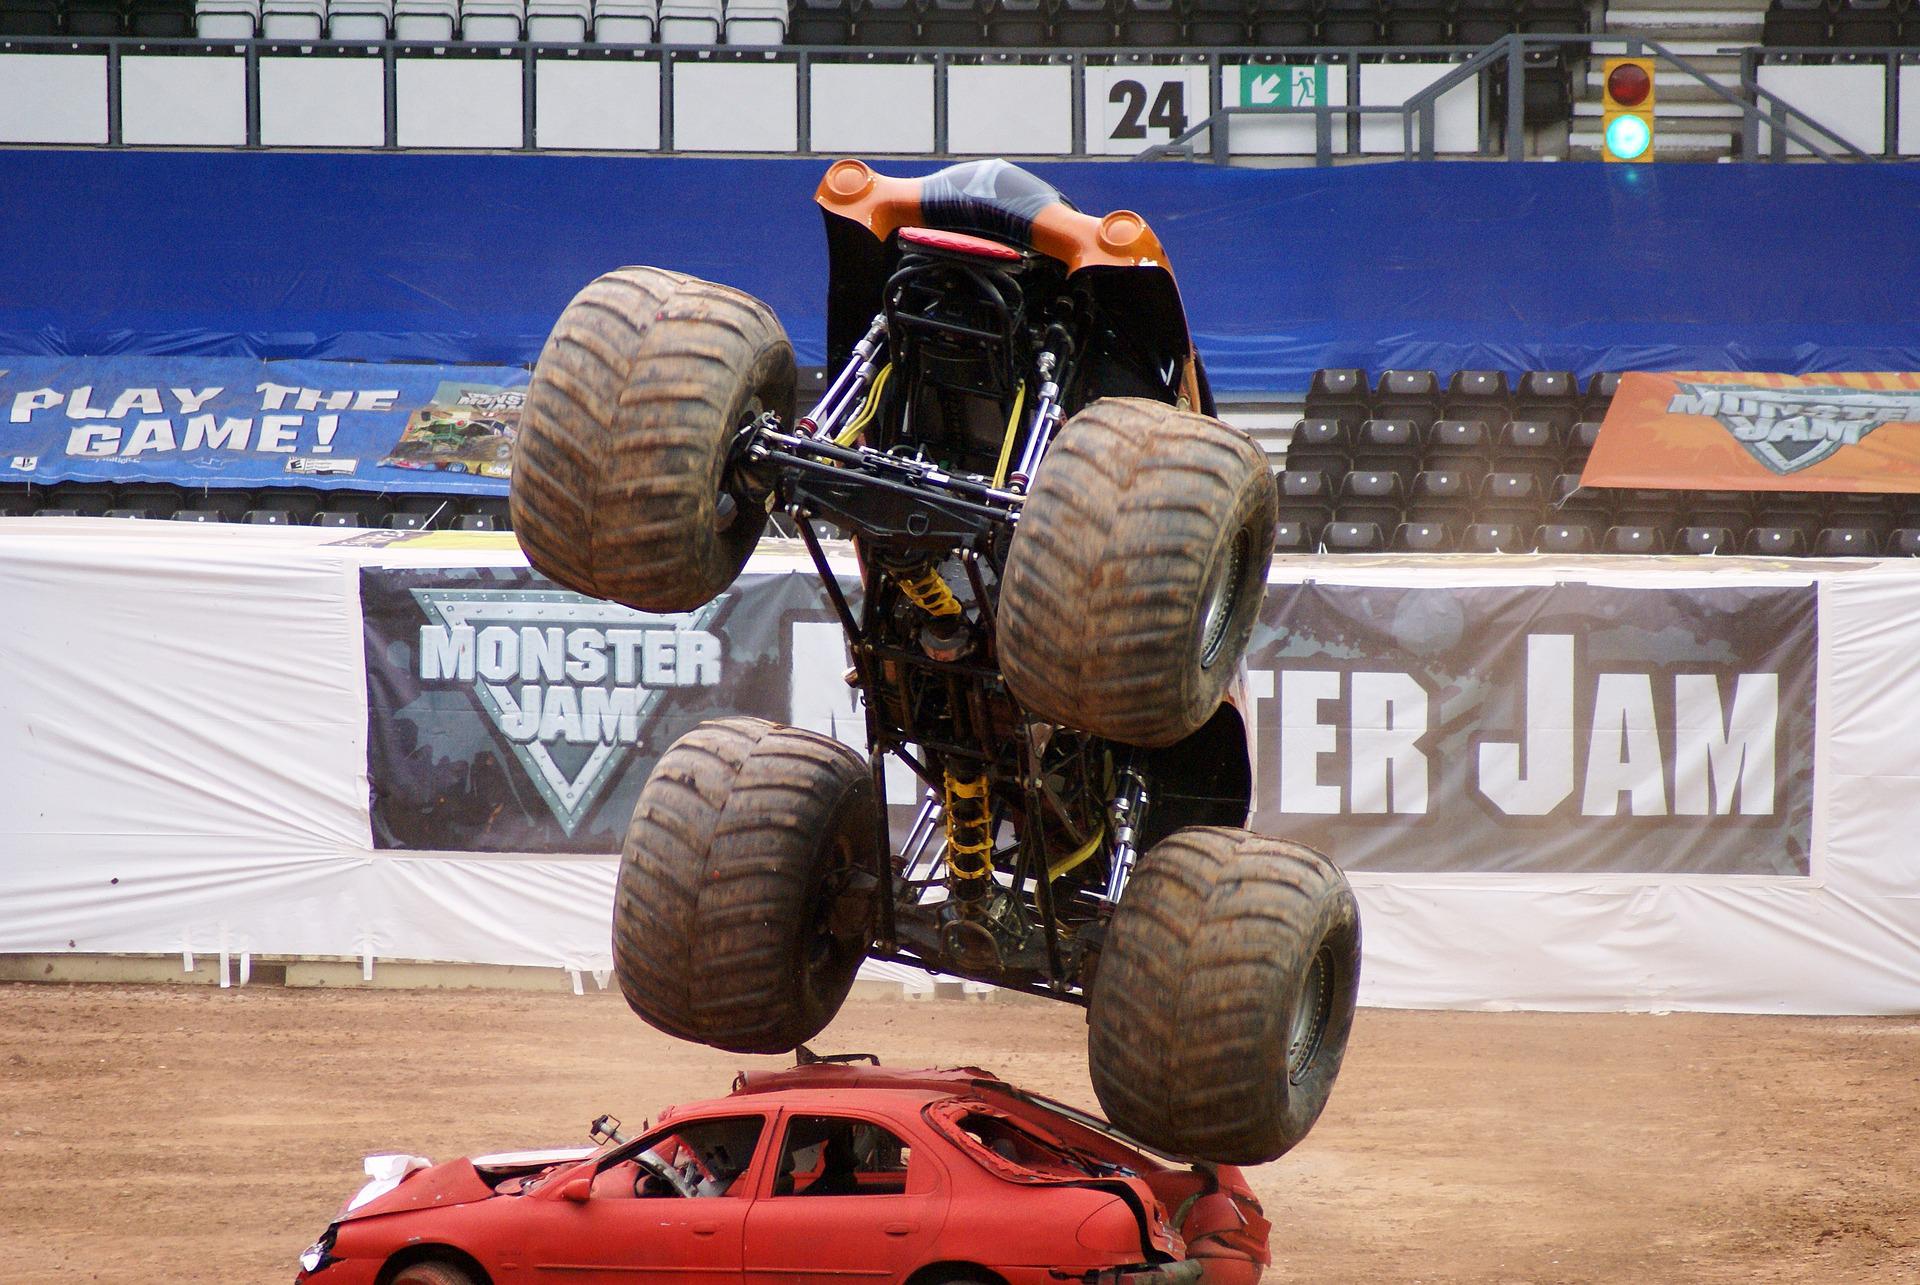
(507, 715)
(236, 422)
(1743, 431)
(1566, 728)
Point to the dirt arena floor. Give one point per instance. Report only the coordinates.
(152, 1135)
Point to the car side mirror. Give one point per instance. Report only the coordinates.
(579, 1191)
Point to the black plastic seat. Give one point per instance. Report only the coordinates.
(29, 18)
(1481, 22)
(821, 22)
(1527, 446)
(1338, 394)
(1441, 495)
(1353, 537)
(337, 517)
(1570, 501)
(1217, 22)
(162, 19)
(59, 513)
(1565, 537)
(1375, 497)
(1322, 445)
(198, 515)
(404, 521)
(1306, 497)
(1649, 508)
(1086, 24)
(1790, 23)
(269, 517)
(1350, 22)
(1776, 541)
(1846, 542)
(1706, 541)
(1549, 397)
(1416, 22)
(1580, 440)
(1903, 542)
(1408, 394)
(1599, 396)
(1635, 539)
(1478, 394)
(1423, 537)
(1493, 537)
(126, 513)
(1516, 498)
(954, 24)
(95, 18)
(1290, 536)
(1284, 24)
(475, 522)
(1149, 24)
(1388, 445)
(893, 23)
(1462, 444)
(1553, 17)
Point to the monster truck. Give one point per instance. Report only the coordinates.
(1061, 557)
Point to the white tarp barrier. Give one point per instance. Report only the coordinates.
(186, 748)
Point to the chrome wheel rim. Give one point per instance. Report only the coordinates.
(1222, 596)
(1311, 1016)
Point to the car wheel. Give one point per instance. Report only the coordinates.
(1224, 996)
(431, 1273)
(745, 897)
(625, 433)
(1137, 571)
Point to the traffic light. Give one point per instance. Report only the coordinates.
(1626, 106)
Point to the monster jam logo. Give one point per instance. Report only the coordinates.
(1788, 429)
(570, 682)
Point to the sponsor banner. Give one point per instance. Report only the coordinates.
(1745, 431)
(1570, 728)
(220, 422)
(507, 715)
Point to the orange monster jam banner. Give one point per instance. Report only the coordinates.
(1743, 431)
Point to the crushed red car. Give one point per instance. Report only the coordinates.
(827, 1169)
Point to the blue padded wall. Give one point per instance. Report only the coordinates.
(1443, 266)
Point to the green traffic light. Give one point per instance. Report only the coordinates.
(1628, 137)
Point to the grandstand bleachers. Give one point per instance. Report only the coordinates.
(1490, 464)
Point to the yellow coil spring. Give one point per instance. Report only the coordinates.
(969, 829)
(929, 592)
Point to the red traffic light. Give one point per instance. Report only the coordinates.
(1629, 84)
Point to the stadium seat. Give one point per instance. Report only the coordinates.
(29, 18)
(125, 513)
(1217, 22)
(631, 22)
(1389, 444)
(1408, 394)
(1320, 444)
(1416, 22)
(475, 522)
(404, 521)
(83, 499)
(298, 19)
(373, 20)
(1306, 497)
(1527, 446)
(420, 19)
(161, 19)
(1087, 24)
(1149, 24)
(1635, 539)
(74, 513)
(199, 515)
(337, 517)
(1375, 497)
(1350, 22)
(1518, 498)
(1846, 542)
(690, 22)
(1706, 541)
(1019, 24)
(1353, 537)
(1292, 537)
(876, 22)
(1477, 394)
(1481, 22)
(1903, 542)
(1280, 24)
(269, 517)
(1580, 439)
(1776, 541)
(1493, 537)
(1553, 17)
(1649, 508)
(226, 19)
(1440, 495)
(1463, 444)
(945, 24)
(1550, 397)
(1796, 22)
(1564, 537)
(1423, 537)
(500, 21)
(1600, 390)
(1338, 394)
(95, 18)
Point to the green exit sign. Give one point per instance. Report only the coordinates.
(1265, 85)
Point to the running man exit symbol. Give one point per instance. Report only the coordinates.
(1269, 86)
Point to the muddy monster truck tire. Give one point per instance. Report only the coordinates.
(744, 904)
(431, 1273)
(1224, 995)
(1137, 571)
(619, 464)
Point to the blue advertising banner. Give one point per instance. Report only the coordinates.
(238, 422)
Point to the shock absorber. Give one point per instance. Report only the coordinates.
(927, 589)
(969, 815)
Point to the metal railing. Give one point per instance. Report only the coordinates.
(1418, 113)
(1889, 58)
(1756, 105)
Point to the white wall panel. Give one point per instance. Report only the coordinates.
(596, 105)
(872, 107)
(459, 102)
(735, 106)
(1131, 107)
(53, 98)
(184, 101)
(1845, 99)
(322, 102)
(1909, 122)
(1456, 117)
(1009, 110)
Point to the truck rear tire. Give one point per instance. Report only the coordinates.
(745, 898)
(1137, 571)
(1224, 995)
(619, 470)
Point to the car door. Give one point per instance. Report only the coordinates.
(848, 1195)
(630, 1224)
